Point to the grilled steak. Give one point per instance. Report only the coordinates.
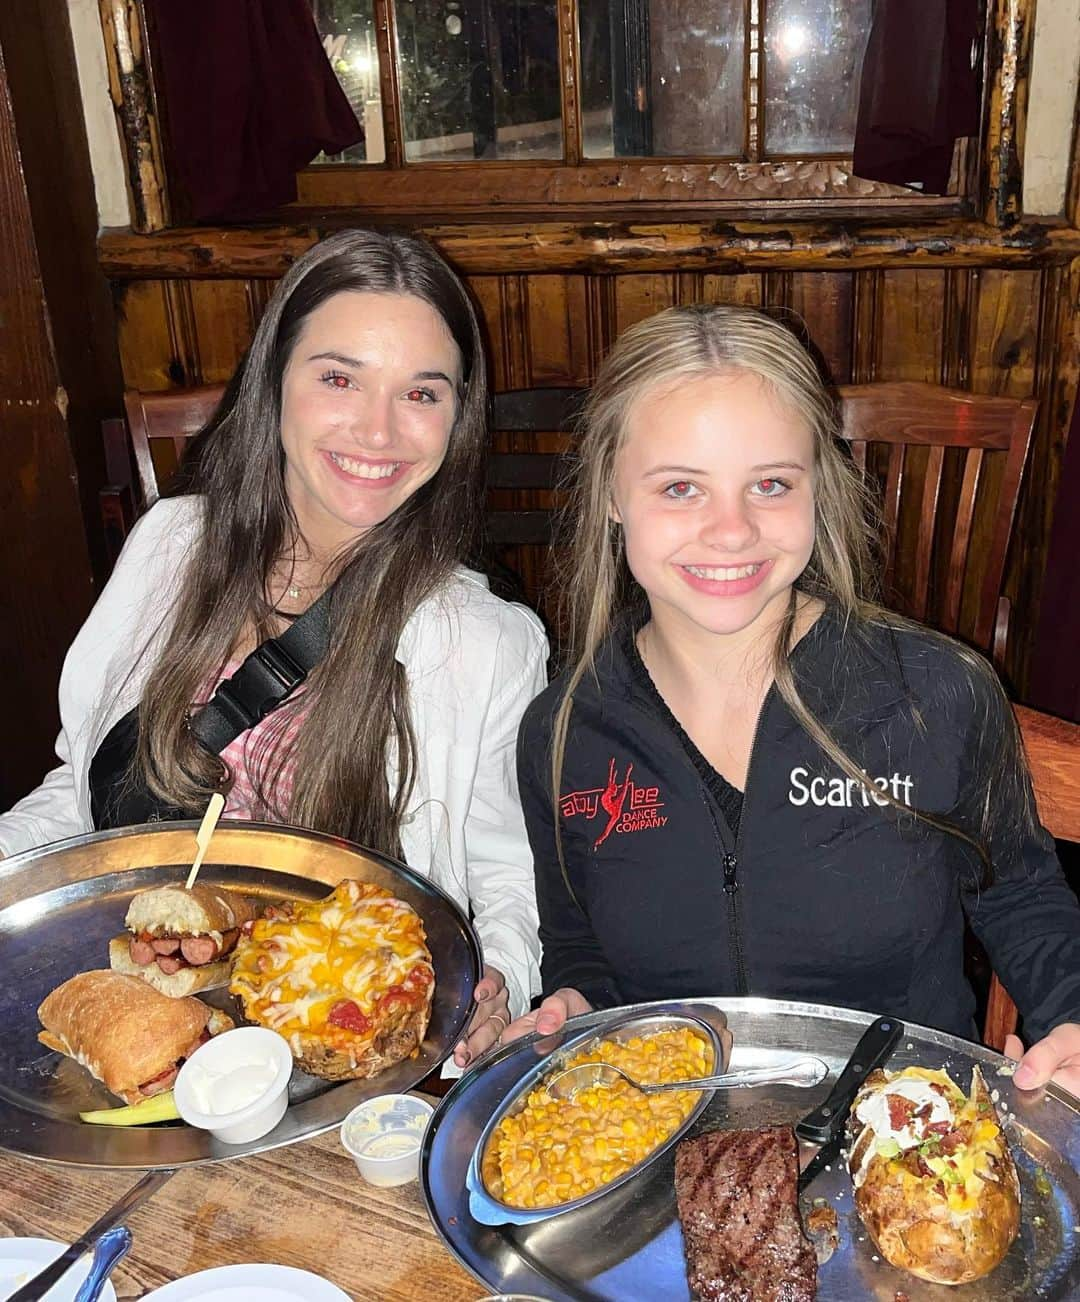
(739, 1207)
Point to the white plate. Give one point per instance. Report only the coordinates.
(237, 1284)
(21, 1259)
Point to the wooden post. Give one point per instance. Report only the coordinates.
(1007, 75)
(44, 563)
(124, 30)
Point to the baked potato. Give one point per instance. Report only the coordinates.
(935, 1184)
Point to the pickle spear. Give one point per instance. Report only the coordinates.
(162, 1107)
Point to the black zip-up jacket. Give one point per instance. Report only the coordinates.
(823, 895)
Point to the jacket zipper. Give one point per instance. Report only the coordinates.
(730, 863)
(731, 889)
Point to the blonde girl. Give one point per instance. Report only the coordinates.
(752, 779)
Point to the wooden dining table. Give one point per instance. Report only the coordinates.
(305, 1205)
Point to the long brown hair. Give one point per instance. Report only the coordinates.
(356, 701)
(684, 343)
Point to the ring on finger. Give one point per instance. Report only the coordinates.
(503, 1024)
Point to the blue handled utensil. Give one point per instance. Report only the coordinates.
(110, 1249)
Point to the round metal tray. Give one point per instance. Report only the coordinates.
(60, 905)
(629, 1248)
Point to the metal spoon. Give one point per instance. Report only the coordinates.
(801, 1072)
(111, 1248)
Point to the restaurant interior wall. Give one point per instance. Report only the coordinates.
(977, 299)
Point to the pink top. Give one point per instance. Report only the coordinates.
(247, 754)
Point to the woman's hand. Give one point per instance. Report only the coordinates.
(550, 1016)
(1056, 1058)
(490, 1020)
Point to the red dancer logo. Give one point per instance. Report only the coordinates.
(612, 799)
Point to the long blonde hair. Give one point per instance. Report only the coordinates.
(686, 343)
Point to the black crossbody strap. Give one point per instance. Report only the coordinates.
(269, 676)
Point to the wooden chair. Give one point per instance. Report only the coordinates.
(952, 445)
(518, 516)
(933, 572)
(1053, 752)
(158, 420)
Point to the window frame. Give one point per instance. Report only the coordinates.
(755, 185)
(987, 172)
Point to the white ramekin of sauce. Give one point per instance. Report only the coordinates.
(383, 1136)
(236, 1085)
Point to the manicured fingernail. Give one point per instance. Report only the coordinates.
(482, 993)
(546, 1024)
(1024, 1078)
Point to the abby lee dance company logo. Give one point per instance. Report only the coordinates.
(625, 806)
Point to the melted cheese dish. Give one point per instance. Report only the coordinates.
(343, 971)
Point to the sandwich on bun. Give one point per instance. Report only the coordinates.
(181, 940)
(125, 1034)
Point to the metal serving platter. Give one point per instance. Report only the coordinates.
(633, 1252)
(60, 905)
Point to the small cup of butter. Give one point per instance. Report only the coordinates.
(383, 1136)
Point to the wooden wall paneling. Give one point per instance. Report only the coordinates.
(1006, 337)
(1005, 346)
(641, 296)
(601, 314)
(865, 317)
(146, 350)
(45, 579)
(258, 295)
(1058, 378)
(823, 303)
(185, 366)
(704, 287)
(503, 322)
(961, 297)
(220, 313)
(556, 311)
(911, 307)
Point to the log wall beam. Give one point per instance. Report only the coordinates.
(1005, 123)
(606, 247)
(131, 88)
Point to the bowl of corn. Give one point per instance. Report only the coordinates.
(540, 1155)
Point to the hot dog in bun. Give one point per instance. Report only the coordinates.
(180, 940)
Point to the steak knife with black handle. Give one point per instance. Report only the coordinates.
(821, 1132)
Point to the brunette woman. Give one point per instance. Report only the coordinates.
(753, 779)
(347, 451)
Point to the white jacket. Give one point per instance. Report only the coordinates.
(474, 662)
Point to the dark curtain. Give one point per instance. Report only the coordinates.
(1055, 664)
(250, 98)
(918, 92)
